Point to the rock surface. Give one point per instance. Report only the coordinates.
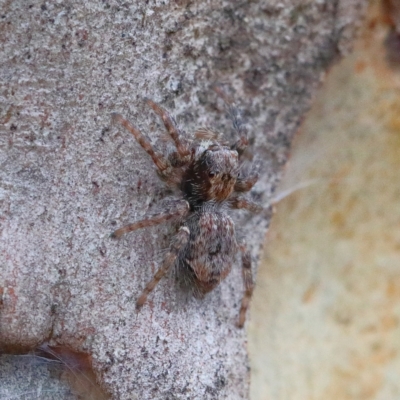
(68, 177)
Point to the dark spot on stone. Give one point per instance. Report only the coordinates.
(175, 27)
(224, 43)
(253, 79)
(110, 357)
(167, 44)
(144, 352)
(220, 382)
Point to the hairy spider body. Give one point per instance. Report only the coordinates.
(206, 172)
(211, 249)
(210, 175)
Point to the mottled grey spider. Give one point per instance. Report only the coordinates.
(206, 172)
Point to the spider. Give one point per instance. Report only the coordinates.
(206, 172)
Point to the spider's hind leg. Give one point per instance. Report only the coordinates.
(179, 243)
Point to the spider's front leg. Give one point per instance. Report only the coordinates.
(245, 184)
(243, 203)
(179, 243)
(160, 161)
(248, 284)
(181, 146)
(241, 145)
(178, 209)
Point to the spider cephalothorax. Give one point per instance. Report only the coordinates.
(206, 172)
(211, 175)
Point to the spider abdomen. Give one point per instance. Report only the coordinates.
(211, 248)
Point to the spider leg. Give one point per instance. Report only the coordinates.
(177, 245)
(234, 113)
(161, 163)
(241, 202)
(245, 184)
(248, 284)
(241, 145)
(180, 208)
(206, 134)
(183, 148)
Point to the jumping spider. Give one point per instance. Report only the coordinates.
(206, 171)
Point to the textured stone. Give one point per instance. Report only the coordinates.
(68, 177)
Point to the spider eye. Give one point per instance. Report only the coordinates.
(211, 174)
